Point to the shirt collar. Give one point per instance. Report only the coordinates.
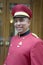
(24, 34)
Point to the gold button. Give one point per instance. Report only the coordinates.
(18, 46)
(23, 38)
(20, 43)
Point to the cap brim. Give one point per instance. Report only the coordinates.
(20, 16)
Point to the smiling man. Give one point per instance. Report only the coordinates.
(22, 24)
(25, 48)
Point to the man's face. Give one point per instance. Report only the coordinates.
(21, 24)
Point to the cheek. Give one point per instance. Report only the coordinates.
(14, 24)
(26, 25)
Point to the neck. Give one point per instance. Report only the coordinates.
(25, 33)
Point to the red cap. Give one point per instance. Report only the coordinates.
(21, 9)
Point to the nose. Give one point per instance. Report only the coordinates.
(18, 23)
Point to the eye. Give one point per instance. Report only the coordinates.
(15, 20)
(21, 19)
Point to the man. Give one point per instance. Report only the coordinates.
(25, 48)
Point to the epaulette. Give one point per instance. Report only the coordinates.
(35, 35)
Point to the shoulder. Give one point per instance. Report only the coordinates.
(13, 39)
(35, 37)
(38, 41)
(36, 53)
(35, 40)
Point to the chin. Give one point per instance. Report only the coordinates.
(20, 31)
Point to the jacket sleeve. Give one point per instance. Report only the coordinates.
(36, 54)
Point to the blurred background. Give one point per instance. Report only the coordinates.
(7, 29)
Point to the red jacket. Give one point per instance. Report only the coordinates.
(25, 50)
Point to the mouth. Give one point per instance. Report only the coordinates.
(19, 29)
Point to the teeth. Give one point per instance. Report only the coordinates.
(19, 29)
